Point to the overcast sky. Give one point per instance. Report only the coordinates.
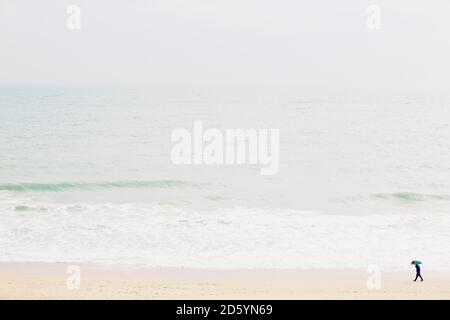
(220, 42)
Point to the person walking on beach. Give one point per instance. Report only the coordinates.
(416, 264)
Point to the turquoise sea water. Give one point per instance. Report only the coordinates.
(86, 175)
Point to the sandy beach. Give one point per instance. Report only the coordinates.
(49, 281)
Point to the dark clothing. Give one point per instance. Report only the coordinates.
(418, 273)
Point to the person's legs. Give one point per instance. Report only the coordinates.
(418, 276)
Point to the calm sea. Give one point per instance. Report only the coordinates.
(86, 176)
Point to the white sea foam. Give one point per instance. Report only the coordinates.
(162, 235)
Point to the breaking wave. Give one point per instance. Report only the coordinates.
(64, 186)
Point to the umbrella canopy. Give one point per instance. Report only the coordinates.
(416, 262)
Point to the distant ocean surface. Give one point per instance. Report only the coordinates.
(364, 178)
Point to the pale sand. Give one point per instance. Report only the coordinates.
(48, 281)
